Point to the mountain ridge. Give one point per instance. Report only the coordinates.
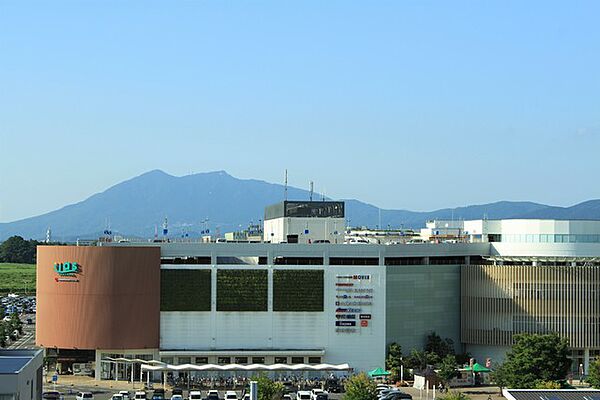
(134, 207)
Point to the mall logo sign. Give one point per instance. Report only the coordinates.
(67, 272)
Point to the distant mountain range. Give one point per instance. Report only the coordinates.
(139, 205)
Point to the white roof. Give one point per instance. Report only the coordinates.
(250, 367)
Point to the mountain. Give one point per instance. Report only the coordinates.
(136, 206)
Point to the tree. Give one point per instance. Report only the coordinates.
(594, 374)
(547, 385)
(16, 323)
(394, 360)
(15, 249)
(360, 387)
(419, 359)
(533, 359)
(267, 389)
(2, 334)
(447, 368)
(441, 347)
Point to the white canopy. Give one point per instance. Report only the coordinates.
(250, 367)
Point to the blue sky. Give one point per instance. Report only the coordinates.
(405, 104)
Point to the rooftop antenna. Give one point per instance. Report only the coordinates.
(311, 190)
(285, 189)
(107, 230)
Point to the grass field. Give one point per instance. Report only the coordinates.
(17, 278)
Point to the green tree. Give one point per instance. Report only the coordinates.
(15, 249)
(360, 387)
(419, 359)
(267, 389)
(547, 385)
(393, 360)
(16, 323)
(2, 334)
(533, 359)
(441, 347)
(448, 368)
(594, 374)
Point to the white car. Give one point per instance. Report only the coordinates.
(195, 395)
(177, 397)
(231, 395)
(117, 396)
(303, 395)
(140, 396)
(125, 394)
(84, 396)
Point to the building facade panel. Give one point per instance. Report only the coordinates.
(499, 301)
(101, 297)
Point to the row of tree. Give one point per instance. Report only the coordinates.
(437, 352)
(17, 250)
(8, 329)
(534, 361)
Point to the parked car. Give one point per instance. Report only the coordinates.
(52, 395)
(212, 395)
(84, 396)
(195, 395)
(140, 396)
(117, 396)
(231, 395)
(303, 395)
(177, 397)
(395, 394)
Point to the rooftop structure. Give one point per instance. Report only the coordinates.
(21, 374)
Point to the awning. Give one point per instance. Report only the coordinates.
(250, 367)
(477, 368)
(379, 372)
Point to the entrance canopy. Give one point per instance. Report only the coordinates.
(250, 367)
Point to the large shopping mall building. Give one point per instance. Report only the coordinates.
(314, 303)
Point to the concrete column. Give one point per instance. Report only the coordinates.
(586, 361)
(98, 368)
(116, 370)
(270, 289)
(213, 305)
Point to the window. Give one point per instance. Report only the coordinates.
(186, 260)
(297, 360)
(258, 360)
(280, 360)
(167, 360)
(201, 360)
(241, 360)
(279, 260)
(184, 360)
(314, 360)
(223, 360)
(354, 261)
(403, 260)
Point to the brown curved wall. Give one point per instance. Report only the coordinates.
(115, 304)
